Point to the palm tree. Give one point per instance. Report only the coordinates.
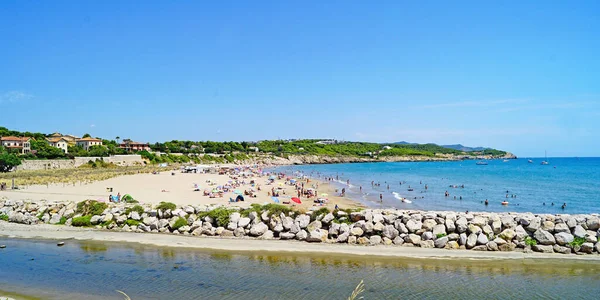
(117, 138)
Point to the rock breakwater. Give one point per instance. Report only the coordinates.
(477, 231)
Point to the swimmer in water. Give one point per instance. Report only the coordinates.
(486, 202)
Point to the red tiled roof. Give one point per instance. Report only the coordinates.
(14, 138)
(89, 140)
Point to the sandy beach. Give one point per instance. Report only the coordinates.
(178, 189)
(65, 233)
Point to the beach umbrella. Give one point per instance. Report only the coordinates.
(275, 199)
(237, 192)
(297, 200)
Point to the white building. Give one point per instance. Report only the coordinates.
(86, 143)
(60, 143)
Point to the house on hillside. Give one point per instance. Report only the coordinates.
(387, 147)
(86, 143)
(23, 144)
(59, 142)
(326, 142)
(71, 139)
(255, 149)
(130, 145)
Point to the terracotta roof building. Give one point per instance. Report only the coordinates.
(20, 143)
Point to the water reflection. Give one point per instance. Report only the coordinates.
(157, 273)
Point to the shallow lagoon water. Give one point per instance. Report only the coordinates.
(94, 270)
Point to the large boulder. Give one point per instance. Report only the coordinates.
(461, 224)
(561, 227)
(428, 224)
(413, 239)
(413, 225)
(492, 246)
(96, 219)
(55, 219)
(303, 221)
(497, 226)
(534, 224)
(390, 232)
(579, 232)
(258, 229)
(587, 248)
(427, 235)
(243, 222)
(367, 227)
(521, 233)
(301, 235)
(400, 226)
(316, 236)
(450, 226)
(561, 249)
(474, 229)
(462, 239)
(563, 238)
(356, 231)
(480, 221)
(507, 234)
(439, 229)
(441, 242)
(342, 238)
(287, 236)
(378, 227)
(548, 226)
(328, 218)
(543, 248)
(593, 223)
(287, 222)
(544, 237)
(471, 241)
(482, 239)
(427, 244)
(375, 240)
(134, 215)
(233, 218)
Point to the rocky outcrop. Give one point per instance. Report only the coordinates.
(564, 234)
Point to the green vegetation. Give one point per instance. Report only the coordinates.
(220, 215)
(4, 217)
(83, 221)
(104, 224)
(91, 207)
(131, 222)
(529, 241)
(440, 235)
(272, 208)
(136, 208)
(577, 241)
(180, 222)
(62, 221)
(321, 211)
(8, 160)
(166, 206)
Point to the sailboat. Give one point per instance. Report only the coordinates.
(545, 161)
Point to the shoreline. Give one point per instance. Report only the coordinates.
(247, 245)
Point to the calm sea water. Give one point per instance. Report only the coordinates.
(85, 270)
(574, 181)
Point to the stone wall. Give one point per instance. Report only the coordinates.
(565, 234)
(121, 160)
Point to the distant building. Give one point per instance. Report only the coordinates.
(387, 147)
(23, 144)
(255, 149)
(86, 143)
(326, 142)
(59, 142)
(71, 139)
(130, 145)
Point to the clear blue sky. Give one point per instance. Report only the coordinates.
(523, 76)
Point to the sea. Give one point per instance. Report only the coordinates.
(565, 185)
(38, 269)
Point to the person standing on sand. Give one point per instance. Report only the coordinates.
(118, 197)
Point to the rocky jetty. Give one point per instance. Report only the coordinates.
(478, 231)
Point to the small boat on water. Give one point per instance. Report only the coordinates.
(530, 161)
(482, 163)
(504, 203)
(506, 160)
(545, 161)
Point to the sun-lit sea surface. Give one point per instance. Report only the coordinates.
(574, 181)
(93, 270)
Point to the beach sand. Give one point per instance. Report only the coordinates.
(65, 233)
(178, 188)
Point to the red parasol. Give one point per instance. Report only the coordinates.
(297, 200)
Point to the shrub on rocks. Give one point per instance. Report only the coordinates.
(180, 222)
(163, 206)
(83, 221)
(91, 207)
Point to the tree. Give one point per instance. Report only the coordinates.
(118, 138)
(98, 150)
(44, 150)
(87, 135)
(8, 161)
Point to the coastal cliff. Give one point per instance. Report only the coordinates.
(328, 159)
